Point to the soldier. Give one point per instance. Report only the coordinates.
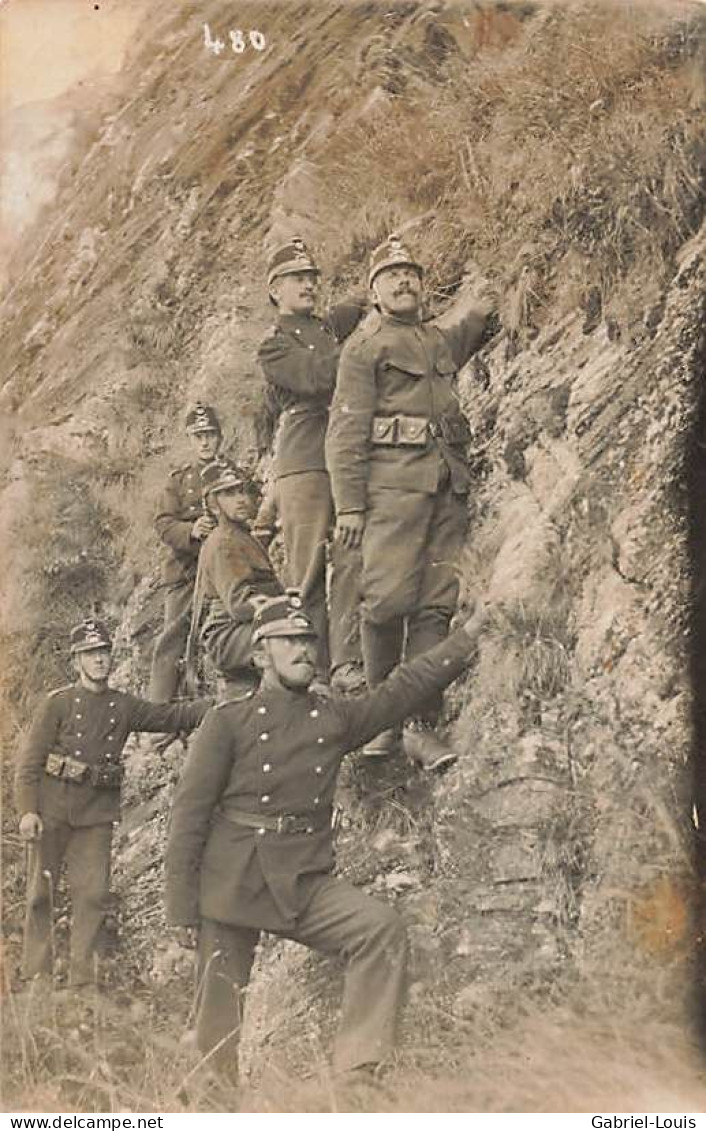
(68, 794)
(182, 524)
(234, 573)
(251, 845)
(299, 358)
(396, 454)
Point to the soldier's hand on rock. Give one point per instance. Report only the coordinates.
(485, 293)
(349, 529)
(186, 937)
(31, 826)
(477, 619)
(203, 527)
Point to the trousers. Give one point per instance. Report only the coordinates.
(170, 645)
(340, 921)
(305, 508)
(86, 851)
(411, 548)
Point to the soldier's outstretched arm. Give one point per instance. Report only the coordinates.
(291, 366)
(463, 326)
(32, 756)
(204, 778)
(166, 717)
(397, 696)
(343, 317)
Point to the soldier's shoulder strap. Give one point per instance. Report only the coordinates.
(370, 325)
(271, 332)
(181, 469)
(235, 699)
(59, 690)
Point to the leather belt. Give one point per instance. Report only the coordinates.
(402, 431)
(283, 823)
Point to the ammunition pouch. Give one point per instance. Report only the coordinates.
(415, 431)
(72, 770)
(400, 431)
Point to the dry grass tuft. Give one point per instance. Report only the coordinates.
(63, 1054)
(565, 164)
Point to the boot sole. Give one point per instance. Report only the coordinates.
(440, 763)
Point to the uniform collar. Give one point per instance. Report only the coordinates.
(270, 695)
(232, 528)
(394, 320)
(79, 688)
(287, 320)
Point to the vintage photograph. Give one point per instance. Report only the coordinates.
(352, 528)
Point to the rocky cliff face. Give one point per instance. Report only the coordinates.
(554, 864)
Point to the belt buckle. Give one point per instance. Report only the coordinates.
(283, 824)
(434, 429)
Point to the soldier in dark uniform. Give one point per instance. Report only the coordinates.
(251, 846)
(234, 573)
(396, 454)
(299, 358)
(182, 524)
(68, 795)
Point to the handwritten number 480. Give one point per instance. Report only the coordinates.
(238, 42)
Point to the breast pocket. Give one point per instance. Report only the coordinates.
(405, 361)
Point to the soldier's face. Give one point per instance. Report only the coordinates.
(292, 659)
(94, 666)
(398, 290)
(205, 444)
(296, 294)
(235, 504)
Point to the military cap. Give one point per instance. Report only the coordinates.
(222, 475)
(281, 616)
(89, 635)
(290, 259)
(202, 418)
(392, 253)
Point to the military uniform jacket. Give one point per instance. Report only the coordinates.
(277, 752)
(299, 359)
(93, 729)
(234, 567)
(393, 368)
(179, 506)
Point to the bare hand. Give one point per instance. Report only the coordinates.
(203, 527)
(475, 623)
(31, 827)
(349, 529)
(186, 937)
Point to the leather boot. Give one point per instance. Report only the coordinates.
(382, 651)
(383, 745)
(425, 749)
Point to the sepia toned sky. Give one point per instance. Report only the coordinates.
(46, 46)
